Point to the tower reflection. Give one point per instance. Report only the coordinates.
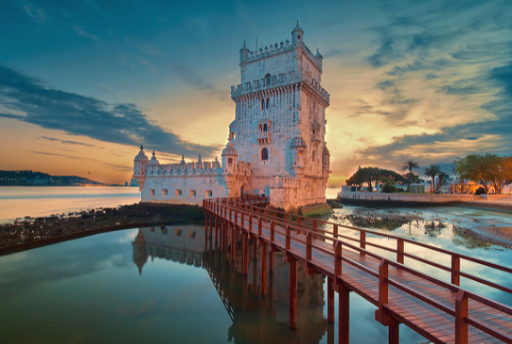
(255, 318)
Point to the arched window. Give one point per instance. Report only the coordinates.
(264, 154)
(267, 80)
(313, 155)
(230, 161)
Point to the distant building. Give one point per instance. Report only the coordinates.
(276, 145)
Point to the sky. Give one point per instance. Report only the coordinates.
(84, 83)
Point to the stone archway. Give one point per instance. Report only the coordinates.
(244, 190)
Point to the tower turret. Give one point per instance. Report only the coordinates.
(140, 164)
(153, 164)
(244, 52)
(297, 36)
(319, 58)
(229, 157)
(298, 146)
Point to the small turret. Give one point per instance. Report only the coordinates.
(244, 52)
(153, 164)
(326, 157)
(297, 36)
(140, 164)
(298, 146)
(319, 58)
(229, 157)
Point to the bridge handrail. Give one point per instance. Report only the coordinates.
(454, 256)
(461, 314)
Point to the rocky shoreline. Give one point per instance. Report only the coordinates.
(32, 232)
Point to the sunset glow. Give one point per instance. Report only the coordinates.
(82, 84)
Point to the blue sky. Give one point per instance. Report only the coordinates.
(82, 83)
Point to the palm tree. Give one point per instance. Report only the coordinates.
(432, 171)
(410, 165)
(442, 179)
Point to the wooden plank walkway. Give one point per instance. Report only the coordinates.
(440, 311)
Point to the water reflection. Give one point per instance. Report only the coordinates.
(255, 319)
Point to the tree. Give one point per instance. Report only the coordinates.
(371, 175)
(432, 171)
(410, 165)
(486, 169)
(442, 177)
(388, 184)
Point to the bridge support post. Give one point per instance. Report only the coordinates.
(293, 291)
(233, 243)
(461, 313)
(263, 269)
(245, 254)
(343, 314)
(216, 230)
(330, 300)
(271, 260)
(393, 331)
(225, 236)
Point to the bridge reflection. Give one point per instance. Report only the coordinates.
(255, 318)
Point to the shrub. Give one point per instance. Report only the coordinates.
(480, 191)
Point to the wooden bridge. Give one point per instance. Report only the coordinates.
(394, 277)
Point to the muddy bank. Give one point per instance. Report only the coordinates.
(468, 229)
(32, 232)
(496, 206)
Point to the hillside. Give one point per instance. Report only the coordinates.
(34, 178)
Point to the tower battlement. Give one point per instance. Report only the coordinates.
(276, 81)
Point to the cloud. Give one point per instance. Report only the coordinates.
(450, 89)
(35, 13)
(72, 113)
(83, 33)
(66, 142)
(192, 79)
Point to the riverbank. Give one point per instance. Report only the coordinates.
(499, 203)
(31, 232)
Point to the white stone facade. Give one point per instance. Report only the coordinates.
(276, 142)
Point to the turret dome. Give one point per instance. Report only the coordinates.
(297, 28)
(229, 150)
(141, 156)
(298, 142)
(153, 160)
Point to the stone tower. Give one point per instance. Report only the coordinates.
(276, 143)
(280, 122)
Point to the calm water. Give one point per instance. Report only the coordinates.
(155, 286)
(158, 286)
(18, 202)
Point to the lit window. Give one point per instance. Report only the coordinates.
(264, 154)
(300, 151)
